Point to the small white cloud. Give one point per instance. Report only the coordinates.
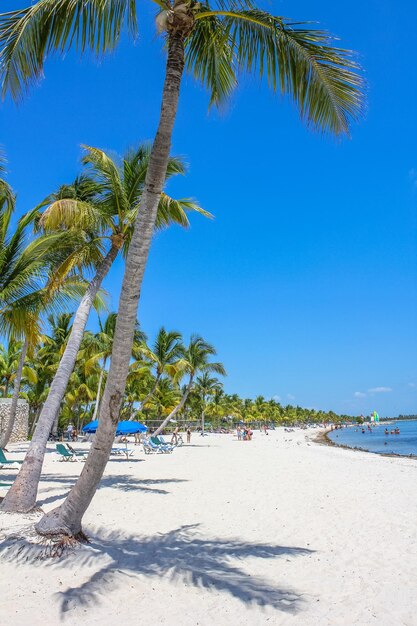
(276, 398)
(380, 390)
(290, 396)
(359, 394)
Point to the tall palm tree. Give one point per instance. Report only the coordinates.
(214, 42)
(205, 387)
(195, 359)
(26, 288)
(9, 359)
(164, 356)
(104, 345)
(101, 206)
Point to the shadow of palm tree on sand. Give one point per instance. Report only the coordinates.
(183, 555)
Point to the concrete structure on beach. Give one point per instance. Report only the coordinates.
(20, 429)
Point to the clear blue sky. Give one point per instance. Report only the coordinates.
(306, 282)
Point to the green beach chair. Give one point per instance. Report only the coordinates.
(167, 447)
(81, 453)
(4, 461)
(65, 454)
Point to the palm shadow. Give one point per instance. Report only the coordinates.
(121, 482)
(187, 558)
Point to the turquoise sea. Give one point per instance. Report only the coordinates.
(377, 441)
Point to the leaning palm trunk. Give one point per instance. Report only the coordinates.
(21, 497)
(175, 410)
(35, 421)
(16, 390)
(66, 519)
(100, 382)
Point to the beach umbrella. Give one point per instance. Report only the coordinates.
(130, 428)
(123, 428)
(91, 427)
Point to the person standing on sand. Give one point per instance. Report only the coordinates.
(188, 434)
(70, 428)
(239, 433)
(174, 438)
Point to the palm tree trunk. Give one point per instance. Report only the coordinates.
(16, 390)
(21, 497)
(202, 422)
(176, 409)
(100, 382)
(67, 518)
(35, 420)
(55, 425)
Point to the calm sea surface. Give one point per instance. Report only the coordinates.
(376, 441)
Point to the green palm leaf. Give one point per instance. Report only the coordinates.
(299, 60)
(28, 35)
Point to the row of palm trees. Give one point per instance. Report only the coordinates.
(156, 388)
(161, 375)
(217, 43)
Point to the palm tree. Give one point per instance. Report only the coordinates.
(164, 356)
(9, 359)
(104, 346)
(206, 386)
(26, 288)
(195, 359)
(101, 205)
(213, 43)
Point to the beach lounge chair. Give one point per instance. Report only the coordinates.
(5, 461)
(158, 445)
(161, 442)
(150, 448)
(65, 454)
(77, 452)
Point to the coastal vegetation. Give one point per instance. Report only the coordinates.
(217, 44)
(153, 392)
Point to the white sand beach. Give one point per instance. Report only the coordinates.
(279, 530)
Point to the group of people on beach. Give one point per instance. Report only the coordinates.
(244, 434)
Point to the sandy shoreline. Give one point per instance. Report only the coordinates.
(279, 530)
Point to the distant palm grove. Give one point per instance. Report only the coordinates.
(155, 384)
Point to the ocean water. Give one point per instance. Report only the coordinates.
(376, 441)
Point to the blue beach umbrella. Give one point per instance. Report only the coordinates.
(123, 428)
(130, 428)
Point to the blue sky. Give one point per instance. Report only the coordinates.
(306, 280)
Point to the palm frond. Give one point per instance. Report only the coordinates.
(72, 214)
(171, 211)
(28, 36)
(323, 80)
(210, 58)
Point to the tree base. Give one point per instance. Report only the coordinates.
(52, 527)
(22, 542)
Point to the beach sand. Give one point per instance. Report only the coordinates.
(279, 530)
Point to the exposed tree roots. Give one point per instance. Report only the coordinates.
(20, 541)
